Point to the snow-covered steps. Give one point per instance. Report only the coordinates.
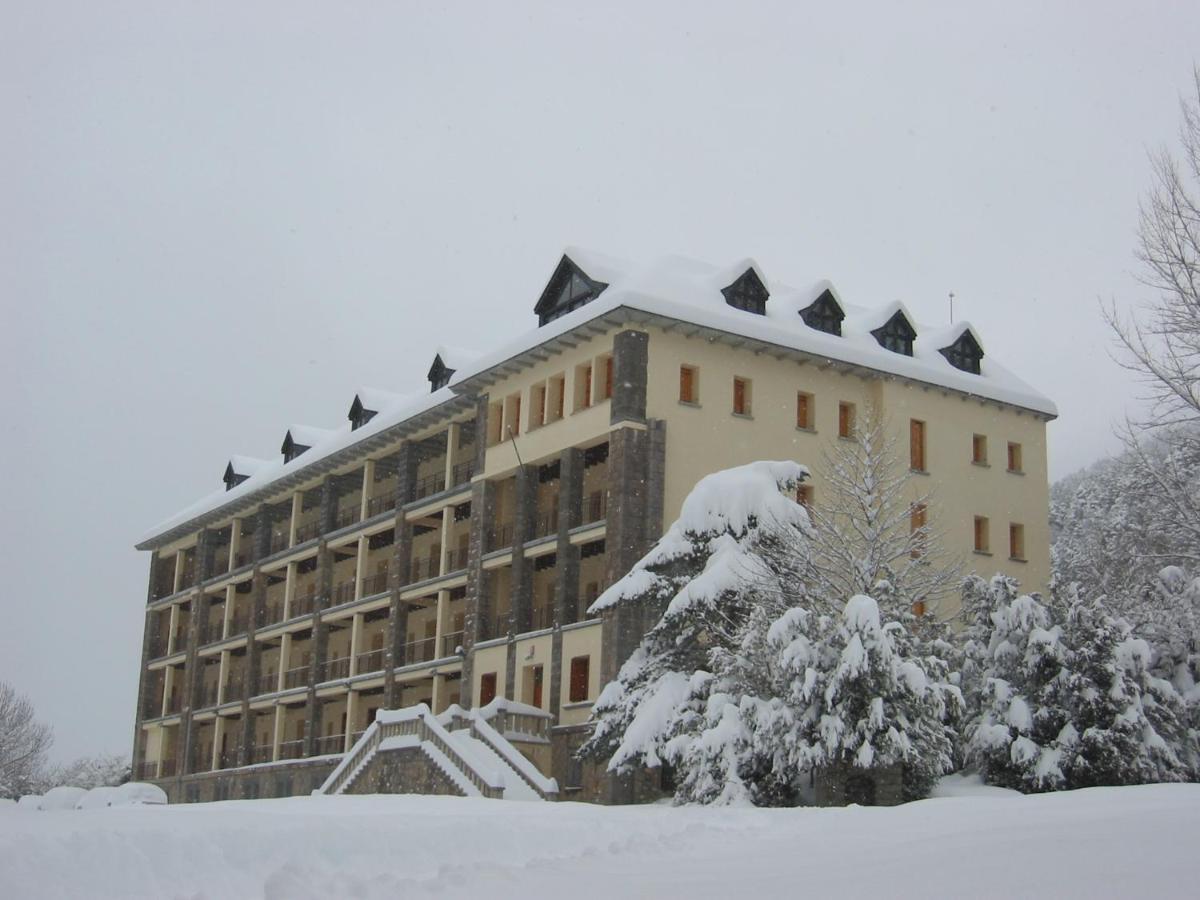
(412, 751)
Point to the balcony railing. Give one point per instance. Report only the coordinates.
(343, 592)
(381, 503)
(347, 514)
(545, 523)
(209, 693)
(220, 561)
(291, 749)
(595, 507)
(173, 704)
(168, 767)
(303, 606)
(500, 536)
(228, 759)
(423, 568)
(462, 473)
(214, 626)
(371, 661)
(279, 540)
(542, 617)
(262, 753)
(337, 668)
(238, 623)
(235, 690)
(451, 642)
(158, 645)
(429, 485)
(268, 683)
(306, 531)
(375, 584)
(331, 743)
(148, 770)
(456, 560)
(297, 677)
(419, 651)
(179, 639)
(273, 611)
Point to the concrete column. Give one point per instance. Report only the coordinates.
(510, 669)
(630, 358)
(556, 673)
(355, 641)
(570, 515)
(351, 715)
(277, 732)
(359, 559)
(285, 659)
(218, 733)
(297, 509)
(522, 570)
(222, 676)
(289, 590)
(368, 485)
(452, 437)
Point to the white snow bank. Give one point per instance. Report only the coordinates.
(1078, 844)
(97, 798)
(63, 797)
(139, 793)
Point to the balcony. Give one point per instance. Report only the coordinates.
(279, 540)
(375, 584)
(337, 668)
(262, 753)
(542, 617)
(451, 642)
(272, 612)
(303, 606)
(381, 504)
(208, 694)
(500, 536)
(331, 743)
(152, 706)
(168, 768)
(545, 523)
(429, 485)
(148, 771)
(462, 473)
(595, 507)
(173, 704)
(158, 645)
(371, 661)
(419, 651)
(234, 691)
(228, 759)
(268, 683)
(238, 623)
(297, 677)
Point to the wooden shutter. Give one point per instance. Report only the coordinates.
(687, 384)
(916, 445)
(487, 688)
(579, 679)
(739, 396)
(802, 411)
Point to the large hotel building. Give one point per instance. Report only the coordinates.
(444, 548)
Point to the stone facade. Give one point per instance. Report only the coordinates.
(403, 771)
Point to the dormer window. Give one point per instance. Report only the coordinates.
(568, 289)
(359, 414)
(965, 353)
(233, 479)
(896, 335)
(824, 314)
(439, 374)
(748, 293)
(291, 448)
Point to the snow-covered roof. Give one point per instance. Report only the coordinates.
(375, 399)
(668, 289)
(685, 290)
(246, 465)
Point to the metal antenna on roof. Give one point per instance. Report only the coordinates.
(952, 307)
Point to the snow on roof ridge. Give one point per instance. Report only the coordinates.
(939, 338)
(378, 399)
(455, 357)
(246, 465)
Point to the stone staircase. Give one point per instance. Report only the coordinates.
(462, 752)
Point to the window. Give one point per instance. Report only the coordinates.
(981, 535)
(512, 416)
(689, 384)
(1016, 541)
(537, 406)
(580, 666)
(747, 293)
(1014, 457)
(741, 396)
(804, 495)
(979, 449)
(965, 353)
(583, 387)
(846, 420)
(916, 445)
(804, 411)
(918, 608)
(917, 518)
(487, 688)
(607, 385)
(532, 688)
(495, 423)
(554, 403)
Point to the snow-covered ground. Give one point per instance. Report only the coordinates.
(966, 842)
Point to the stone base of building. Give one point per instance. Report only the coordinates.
(283, 779)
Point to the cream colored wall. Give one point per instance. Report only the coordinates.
(584, 641)
(708, 437)
(490, 659)
(534, 652)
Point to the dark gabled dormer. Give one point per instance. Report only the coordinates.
(359, 414)
(233, 479)
(747, 293)
(292, 448)
(568, 289)
(896, 334)
(824, 314)
(965, 353)
(440, 373)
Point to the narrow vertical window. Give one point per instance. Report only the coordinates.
(688, 385)
(917, 519)
(1016, 541)
(979, 449)
(846, 420)
(916, 445)
(804, 411)
(487, 688)
(608, 378)
(583, 387)
(741, 396)
(1014, 457)
(981, 534)
(580, 667)
(537, 412)
(558, 395)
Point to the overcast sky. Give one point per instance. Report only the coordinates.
(218, 219)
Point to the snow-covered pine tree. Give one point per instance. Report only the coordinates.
(704, 577)
(1013, 738)
(865, 699)
(1126, 724)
